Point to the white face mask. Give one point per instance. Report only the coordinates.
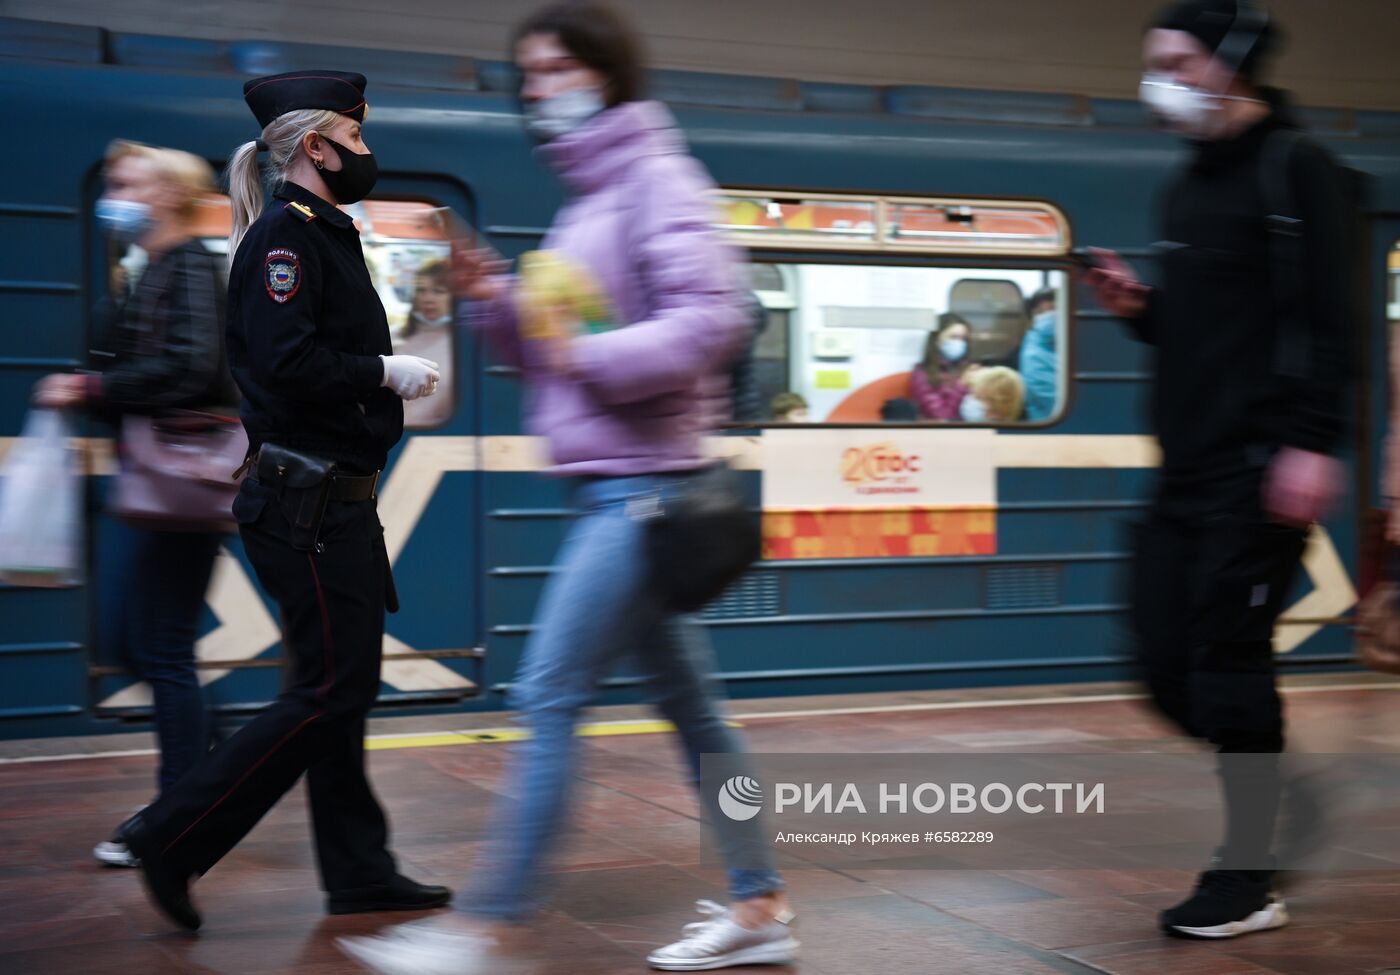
(953, 349)
(549, 118)
(972, 409)
(1181, 107)
(1191, 111)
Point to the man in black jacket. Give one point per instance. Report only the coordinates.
(1251, 326)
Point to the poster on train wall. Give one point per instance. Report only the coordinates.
(872, 493)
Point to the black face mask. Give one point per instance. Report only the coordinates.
(356, 176)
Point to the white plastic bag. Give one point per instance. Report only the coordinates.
(41, 505)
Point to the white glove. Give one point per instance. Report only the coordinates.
(410, 376)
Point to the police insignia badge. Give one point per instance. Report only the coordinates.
(282, 274)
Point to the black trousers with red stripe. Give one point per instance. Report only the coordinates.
(332, 604)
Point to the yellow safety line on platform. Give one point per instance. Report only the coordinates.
(492, 735)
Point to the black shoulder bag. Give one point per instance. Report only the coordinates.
(700, 538)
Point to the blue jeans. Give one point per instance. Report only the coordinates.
(155, 606)
(597, 606)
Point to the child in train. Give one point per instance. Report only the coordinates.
(428, 332)
(790, 408)
(995, 394)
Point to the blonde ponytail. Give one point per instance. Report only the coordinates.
(245, 194)
(282, 138)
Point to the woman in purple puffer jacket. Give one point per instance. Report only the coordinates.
(624, 410)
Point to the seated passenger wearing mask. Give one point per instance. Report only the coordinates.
(936, 384)
(995, 394)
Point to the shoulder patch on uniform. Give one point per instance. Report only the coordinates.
(301, 211)
(282, 274)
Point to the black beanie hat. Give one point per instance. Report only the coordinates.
(1212, 21)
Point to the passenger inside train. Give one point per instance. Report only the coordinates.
(844, 337)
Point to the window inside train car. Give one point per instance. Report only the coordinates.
(407, 253)
(932, 341)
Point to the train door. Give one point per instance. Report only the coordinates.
(427, 499)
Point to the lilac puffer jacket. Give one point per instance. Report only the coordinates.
(638, 398)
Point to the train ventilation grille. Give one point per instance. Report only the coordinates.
(1022, 586)
(756, 594)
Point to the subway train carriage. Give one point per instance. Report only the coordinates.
(898, 553)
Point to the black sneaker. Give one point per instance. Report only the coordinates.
(1226, 904)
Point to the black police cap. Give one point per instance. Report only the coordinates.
(278, 94)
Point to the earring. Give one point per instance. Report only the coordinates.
(319, 164)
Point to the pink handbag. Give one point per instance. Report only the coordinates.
(178, 471)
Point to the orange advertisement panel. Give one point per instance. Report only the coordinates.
(837, 533)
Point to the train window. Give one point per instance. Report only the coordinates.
(904, 224)
(969, 228)
(407, 253)
(871, 344)
(798, 220)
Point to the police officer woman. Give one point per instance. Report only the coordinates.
(308, 344)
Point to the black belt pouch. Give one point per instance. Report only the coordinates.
(303, 486)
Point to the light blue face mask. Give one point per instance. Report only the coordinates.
(125, 221)
(432, 322)
(549, 118)
(953, 349)
(1044, 323)
(972, 409)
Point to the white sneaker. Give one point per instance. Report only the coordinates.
(421, 949)
(719, 942)
(115, 854)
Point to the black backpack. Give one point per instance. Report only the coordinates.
(1287, 270)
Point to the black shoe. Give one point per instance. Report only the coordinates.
(166, 885)
(1226, 904)
(399, 894)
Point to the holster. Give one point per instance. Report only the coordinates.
(303, 486)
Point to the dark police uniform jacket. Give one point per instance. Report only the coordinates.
(305, 332)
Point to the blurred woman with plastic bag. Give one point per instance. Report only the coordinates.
(168, 387)
(624, 379)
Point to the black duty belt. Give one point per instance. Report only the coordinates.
(354, 487)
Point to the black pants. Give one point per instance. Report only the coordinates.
(332, 605)
(160, 583)
(1208, 584)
